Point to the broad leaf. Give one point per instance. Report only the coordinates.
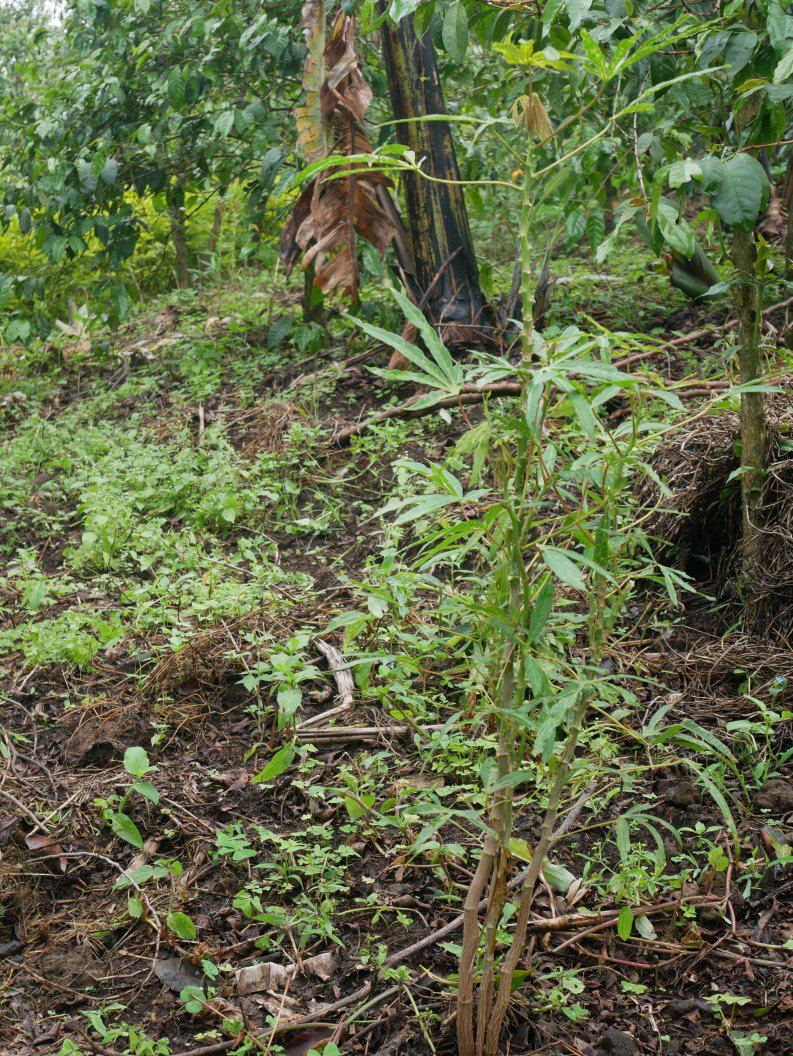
(176, 88)
(563, 568)
(674, 227)
(574, 227)
(182, 926)
(277, 765)
(682, 171)
(136, 761)
(625, 922)
(401, 8)
(455, 30)
(126, 829)
(742, 193)
(595, 227)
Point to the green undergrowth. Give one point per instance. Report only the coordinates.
(148, 522)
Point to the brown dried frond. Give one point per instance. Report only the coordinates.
(331, 212)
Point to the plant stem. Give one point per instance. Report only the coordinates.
(753, 419)
(512, 956)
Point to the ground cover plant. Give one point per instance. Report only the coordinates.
(396, 477)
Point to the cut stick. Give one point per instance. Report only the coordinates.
(344, 685)
(695, 335)
(356, 733)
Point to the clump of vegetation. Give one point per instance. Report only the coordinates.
(395, 473)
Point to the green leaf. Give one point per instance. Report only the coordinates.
(401, 8)
(545, 738)
(181, 925)
(716, 795)
(25, 221)
(135, 908)
(136, 762)
(562, 567)
(289, 699)
(594, 54)
(147, 790)
(126, 829)
(447, 370)
(194, 999)
(623, 836)
(541, 610)
(595, 227)
(432, 375)
(784, 70)
(625, 922)
(779, 26)
(88, 180)
(277, 765)
(556, 876)
(550, 12)
(176, 89)
(577, 11)
(109, 172)
(682, 171)
(675, 229)
(224, 122)
(455, 30)
(574, 227)
(742, 192)
(356, 808)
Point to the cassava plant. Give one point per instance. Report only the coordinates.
(555, 554)
(558, 536)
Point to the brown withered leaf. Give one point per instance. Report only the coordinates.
(39, 844)
(306, 1040)
(266, 975)
(177, 973)
(45, 847)
(7, 826)
(330, 213)
(323, 965)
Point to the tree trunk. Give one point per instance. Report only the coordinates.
(446, 274)
(753, 419)
(179, 236)
(217, 225)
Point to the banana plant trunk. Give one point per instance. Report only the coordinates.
(446, 277)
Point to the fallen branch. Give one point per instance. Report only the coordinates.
(471, 394)
(695, 335)
(468, 394)
(344, 685)
(534, 927)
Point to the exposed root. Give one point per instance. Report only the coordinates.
(701, 521)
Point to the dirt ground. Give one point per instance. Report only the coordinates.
(262, 865)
